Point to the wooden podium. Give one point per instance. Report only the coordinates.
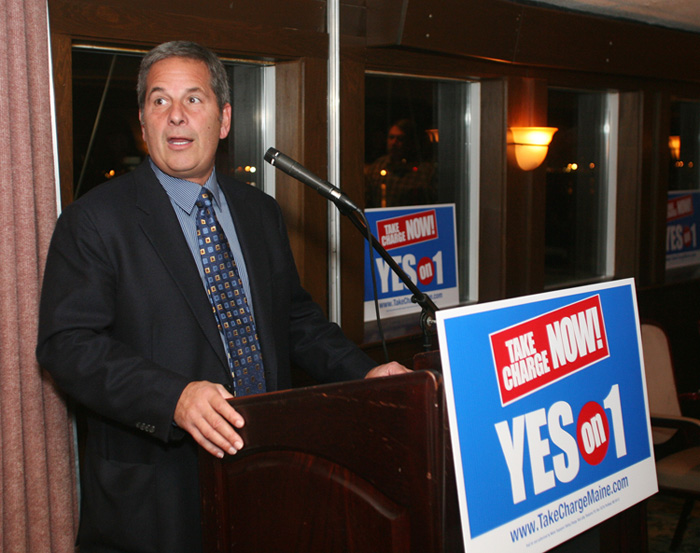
(357, 467)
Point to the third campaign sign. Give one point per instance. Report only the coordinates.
(548, 412)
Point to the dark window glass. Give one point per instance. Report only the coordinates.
(682, 252)
(578, 188)
(684, 146)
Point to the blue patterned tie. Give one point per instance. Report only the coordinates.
(229, 301)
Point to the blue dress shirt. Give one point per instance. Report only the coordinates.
(183, 194)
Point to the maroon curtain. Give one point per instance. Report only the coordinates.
(38, 500)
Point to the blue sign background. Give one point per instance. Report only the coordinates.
(477, 400)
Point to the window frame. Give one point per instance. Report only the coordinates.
(406, 325)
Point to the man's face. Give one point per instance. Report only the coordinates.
(181, 121)
(395, 141)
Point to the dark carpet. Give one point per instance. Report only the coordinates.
(663, 512)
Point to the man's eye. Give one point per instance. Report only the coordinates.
(194, 100)
(159, 101)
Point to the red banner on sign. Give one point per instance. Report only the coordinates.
(408, 229)
(679, 207)
(535, 353)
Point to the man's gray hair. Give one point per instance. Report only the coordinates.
(190, 50)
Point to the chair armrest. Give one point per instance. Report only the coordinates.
(689, 427)
(674, 421)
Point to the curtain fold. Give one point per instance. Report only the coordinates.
(38, 506)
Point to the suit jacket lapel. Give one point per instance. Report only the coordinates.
(160, 225)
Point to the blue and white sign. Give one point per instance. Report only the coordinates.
(548, 413)
(682, 222)
(422, 241)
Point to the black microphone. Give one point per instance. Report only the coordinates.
(302, 174)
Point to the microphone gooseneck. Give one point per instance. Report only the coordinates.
(294, 169)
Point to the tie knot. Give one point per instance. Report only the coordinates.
(204, 198)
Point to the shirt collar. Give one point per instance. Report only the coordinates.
(183, 192)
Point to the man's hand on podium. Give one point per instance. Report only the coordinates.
(203, 411)
(388, 369)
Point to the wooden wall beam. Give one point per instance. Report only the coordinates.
(536, 36)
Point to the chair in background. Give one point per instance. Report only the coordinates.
(676, 437)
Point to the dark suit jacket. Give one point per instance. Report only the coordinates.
(125, 325)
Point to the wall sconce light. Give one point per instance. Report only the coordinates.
(531, 145)
(674, 144)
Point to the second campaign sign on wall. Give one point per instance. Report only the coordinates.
(548, 414)
(422, 241)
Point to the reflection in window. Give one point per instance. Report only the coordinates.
(420, 149)
(684, 146)
(107, 139)
(405, 173)
(580, 189)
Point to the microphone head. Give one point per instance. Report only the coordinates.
(270, 155)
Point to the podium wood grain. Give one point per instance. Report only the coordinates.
(357, 467)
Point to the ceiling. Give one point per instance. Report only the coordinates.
(676, 14)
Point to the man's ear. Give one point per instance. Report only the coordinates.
(225, 121)
(143, 126)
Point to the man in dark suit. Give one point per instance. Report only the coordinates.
(127, 326)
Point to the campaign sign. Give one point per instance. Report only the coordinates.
(682, 222)
(548, 413)
(422, 241)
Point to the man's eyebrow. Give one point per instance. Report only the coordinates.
(155, 89)
(195, 89)
(188, 91)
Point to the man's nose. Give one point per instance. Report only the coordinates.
(177, 115)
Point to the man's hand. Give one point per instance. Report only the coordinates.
(203, 411)
(387, 369)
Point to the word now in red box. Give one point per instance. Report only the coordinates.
(537, 352)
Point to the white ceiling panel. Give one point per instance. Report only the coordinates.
(677, 14)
